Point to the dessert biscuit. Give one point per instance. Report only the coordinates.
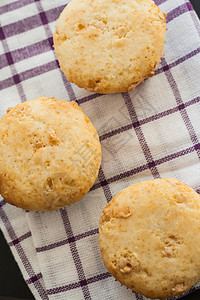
(109, 46)
(50, 154)
(149, 237)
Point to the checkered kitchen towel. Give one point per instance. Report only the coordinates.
(148, 133)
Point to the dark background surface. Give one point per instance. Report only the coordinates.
(196, 5)
(12, 285)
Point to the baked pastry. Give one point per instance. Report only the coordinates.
(109, 46)
(49, 154)
(149, 237)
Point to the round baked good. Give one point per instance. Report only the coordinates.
(49, 154)
(109, 46)
(149, 237)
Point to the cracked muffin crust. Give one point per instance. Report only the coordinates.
(50, 154)
(149, 237)
(109, 46)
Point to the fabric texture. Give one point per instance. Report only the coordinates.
(148, 133)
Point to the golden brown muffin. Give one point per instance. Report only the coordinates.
(149, 237)
(49, 154)
(109, 46)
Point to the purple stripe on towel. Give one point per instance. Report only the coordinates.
(20, 239)
(67, 241)
(81, 283)
(27, 265)
(140, 136)
(74, 252)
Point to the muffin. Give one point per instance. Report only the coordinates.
(109, 46)
(149, 237)
(49, 154)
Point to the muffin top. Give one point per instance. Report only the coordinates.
(49, 154)
(109, 46)
(149, 237)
